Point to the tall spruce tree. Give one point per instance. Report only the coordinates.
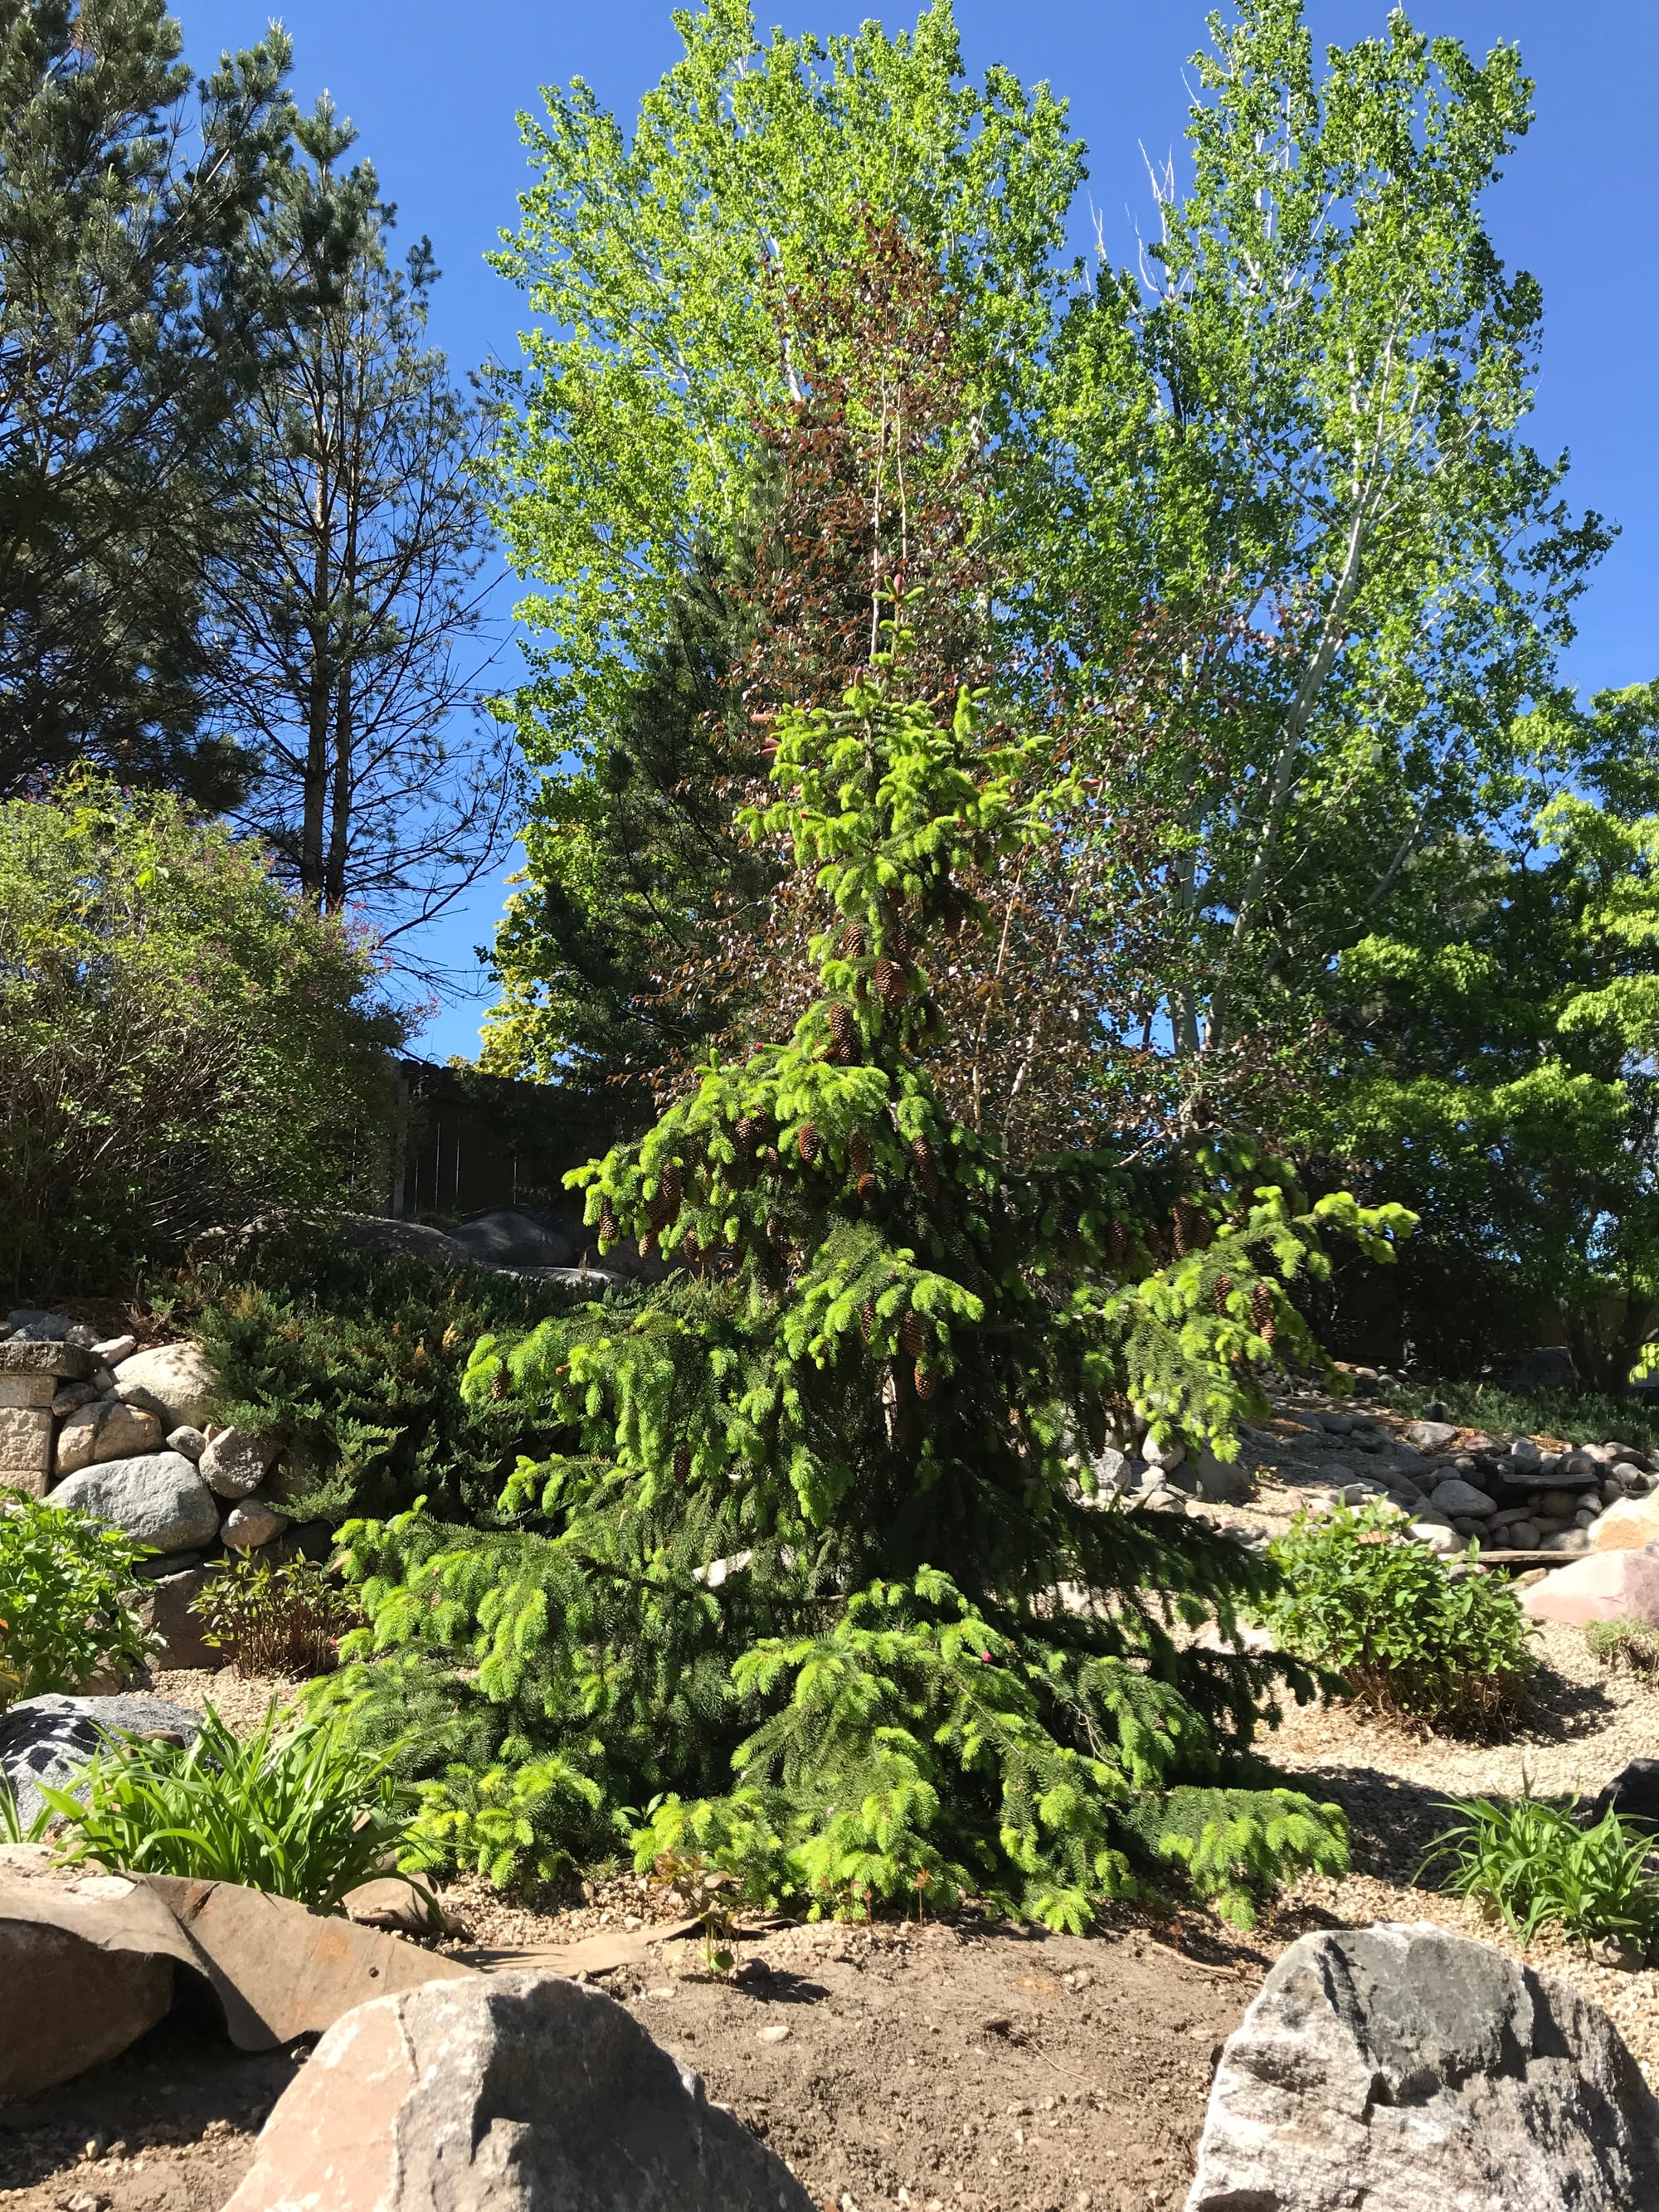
(133, 318)
(824, 1560)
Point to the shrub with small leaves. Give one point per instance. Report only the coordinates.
(1410, 1638)
(284, 1620)
(66, 1597)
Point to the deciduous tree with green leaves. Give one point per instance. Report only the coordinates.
(632, 449)
(1488, 1057)
(1307, 409)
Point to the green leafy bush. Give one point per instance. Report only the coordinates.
(182, 1046)
(1408, 1638)
(299, 1814)
(1630, 1646)
(355, 1364)
(272, 1619)
(1532, 1863)
(65, 1591)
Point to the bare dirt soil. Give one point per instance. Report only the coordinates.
(937, 2067)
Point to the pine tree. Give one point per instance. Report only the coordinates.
(824, 1562)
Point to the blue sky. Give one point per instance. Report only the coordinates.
(433, 88)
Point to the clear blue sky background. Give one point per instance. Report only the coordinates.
(434, 88)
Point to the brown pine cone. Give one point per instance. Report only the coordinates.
(867, 1322)
(926, 1380)
(1120, 1244)
(682, 1463)
(770, 1159)
(852, 942)
(672, 1186)
(610, 1228)
(746, 1135)
(1219, 1291)
(498, 1383)
(890, 982)
(867, 1188)
(1192, 1227)
(807, 1143)
(913, 1333)
(648, 1244)
(859, 1157)
(898, 940)
(1262, 1310)
(927, 1173)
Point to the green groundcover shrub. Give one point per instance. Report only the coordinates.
(1409, 1638)
(813, 1586)
(355, 1364)
(182, 1046)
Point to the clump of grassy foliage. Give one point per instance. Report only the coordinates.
(793, 1566)
(65, 1597)
(1534, 1864)
(296, 1811)
(1630, 1647)
(1411, 1640)
(355, 1362)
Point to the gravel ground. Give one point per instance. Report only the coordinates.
(1584, 1726)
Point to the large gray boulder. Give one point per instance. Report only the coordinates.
(401, 1240)
(505, 2093)
(158, 1499)
(49, 1739)
(515, 1236)
(1407, 2069)
(178, 1379)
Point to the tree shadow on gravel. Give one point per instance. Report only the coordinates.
(1392, 1822)
(1558, 1709)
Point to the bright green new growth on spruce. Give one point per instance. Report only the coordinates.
(823, 1580)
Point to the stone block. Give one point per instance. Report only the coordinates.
(1616, 1585)
(177, 1378)
(506, 2093)
(1630, 1526)
(24, 1356)
(158, 1499)
(1409, 2070)
(26, 1437)
(31, 1481)
(33, 1393)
